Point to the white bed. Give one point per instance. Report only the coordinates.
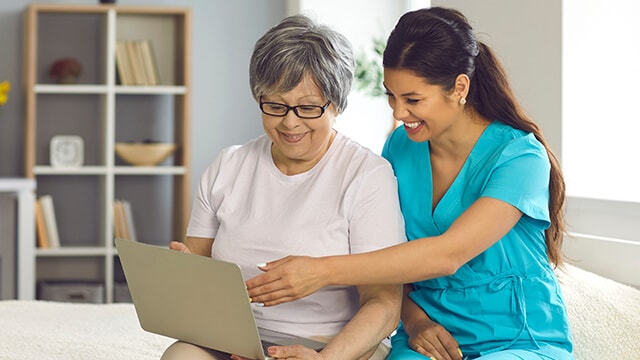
(46, 330)
(604, 315)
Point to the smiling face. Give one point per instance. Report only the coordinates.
(426, 110)
(298, 144)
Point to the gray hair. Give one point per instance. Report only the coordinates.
(295, 47)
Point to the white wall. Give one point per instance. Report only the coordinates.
(526, 35)
(600, 79)
(605, 238)
(600, 136)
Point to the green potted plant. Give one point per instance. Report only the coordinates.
(368, 77)
(368, 71)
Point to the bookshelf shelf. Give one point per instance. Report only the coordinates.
(85, 170)
(102, 111)
(148, 90)
(70, 89)
(151, 170)
(75, 251)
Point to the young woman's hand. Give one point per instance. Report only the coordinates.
(432, 340)
(287, 279)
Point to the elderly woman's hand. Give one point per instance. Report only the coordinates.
(287, 279)
(178, 246)
(288, 352)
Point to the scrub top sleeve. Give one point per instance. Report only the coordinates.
(386, 149)
(521, 178)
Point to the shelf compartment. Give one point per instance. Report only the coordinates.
(71, 114)
(81, 32)
(78, 209)
(87, 268)
(152, 202)
(165, 32)
(148, 117)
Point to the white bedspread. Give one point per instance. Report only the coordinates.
(42, 330)
(604, 317)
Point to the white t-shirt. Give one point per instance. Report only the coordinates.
(347, 203)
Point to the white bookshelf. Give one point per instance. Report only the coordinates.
(103, 112)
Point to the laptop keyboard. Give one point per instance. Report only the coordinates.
(266, 344)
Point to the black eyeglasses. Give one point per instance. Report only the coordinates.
(301, 111)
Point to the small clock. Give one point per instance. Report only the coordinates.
(66, 151)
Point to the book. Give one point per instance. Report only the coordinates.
(128, 217)
(123, 66)
(136, 63)
(41, 228)
(117, 221)
(120, 221)
(150, 64)
(135, 59)
(51, 225)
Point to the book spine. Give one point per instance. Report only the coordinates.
(41, 227)
(150, 64)
(117, 226)
(48, 210)
(122, 63)
(136, 63)
(128, 216)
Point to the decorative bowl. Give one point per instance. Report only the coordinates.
(144, 153)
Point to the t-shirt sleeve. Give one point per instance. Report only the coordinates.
(521, 178)
(203, 221)
(377, 221)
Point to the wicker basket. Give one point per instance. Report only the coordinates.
(144, 154)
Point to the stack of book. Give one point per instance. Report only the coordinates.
(123, 220)
(46, 224)
(136, 63)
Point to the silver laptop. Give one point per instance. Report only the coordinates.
(195, 299)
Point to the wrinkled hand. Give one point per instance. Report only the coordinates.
(432, 340)
(292, 352)
(287, 279)
(178, 246)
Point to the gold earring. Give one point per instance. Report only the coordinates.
(463, 101)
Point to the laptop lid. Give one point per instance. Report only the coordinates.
(189, 297)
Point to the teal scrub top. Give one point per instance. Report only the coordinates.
(508, 296)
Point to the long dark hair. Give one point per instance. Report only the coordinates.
(439, 44)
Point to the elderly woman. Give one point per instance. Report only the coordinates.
(302, 189)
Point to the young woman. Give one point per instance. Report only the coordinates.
(482, 197)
